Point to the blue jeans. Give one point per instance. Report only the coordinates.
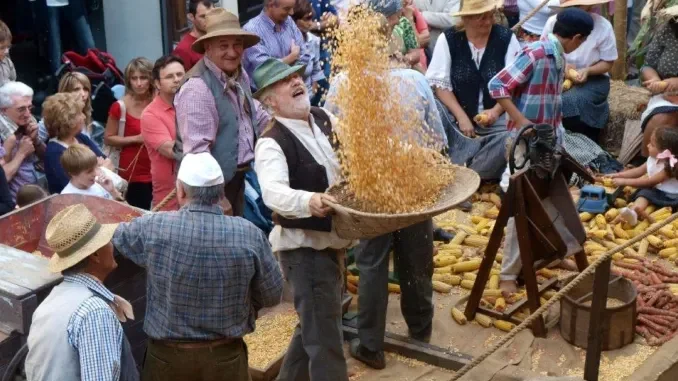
(74, 15)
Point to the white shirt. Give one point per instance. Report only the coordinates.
(57, 3)
(438, 72)
(535, 24)
(438, 15)
(272, 172)
(654, 166)
(601, 45)
(95, 190)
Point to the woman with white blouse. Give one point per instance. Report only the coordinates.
(585, 106)
(464, 60)
(532, 29)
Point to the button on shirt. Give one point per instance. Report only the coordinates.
(276, 42)
(272, 172)
(198, 120)
(207, 273)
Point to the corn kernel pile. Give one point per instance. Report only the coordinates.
(386, 169)
(271, 338)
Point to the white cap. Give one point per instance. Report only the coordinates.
(200, 170)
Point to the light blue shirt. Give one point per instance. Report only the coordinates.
(413, 88)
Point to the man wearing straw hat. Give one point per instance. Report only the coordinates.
(208, 275)
(215, 110)
(296, 163)
(76, 332)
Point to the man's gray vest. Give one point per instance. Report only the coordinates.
(225, 145)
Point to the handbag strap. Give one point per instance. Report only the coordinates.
(123, 118)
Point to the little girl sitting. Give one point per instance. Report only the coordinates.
(660, 186)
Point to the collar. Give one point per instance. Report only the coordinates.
(92, 283)
(271, 24)
(555, 48)
(195, 207)
(165, 106)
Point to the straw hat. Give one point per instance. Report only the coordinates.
(577, 3)
(74, 234)
(477, 7)
(669, 13)
(220, 22)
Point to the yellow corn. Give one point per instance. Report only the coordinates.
(650, 209)
(667, 231)
(500, 304)
(395, 288)
(450, 279)
(492, 213)
(611, 214)
(476, 219)
(444, 260)
(492, 293)
(484, 320)
(641, 227)
(666, 253)
(467, 284)
(441, 287)
(485, 232)
(630, 260)
(592, 223)
(499, 258)
(482, 224)
(459, 238)
(458, 316)
(567, 84)
(466, 229)
(549, 294)
(671, 243)
(466, 266)
(597, 253)
(619, 232)
(655, 241)
(642, 251)
(601, 222)
(476, 241)
(620, 203)
(450, 252)
(585, 216)
(493, 283)
(547, 273)
(495, 199)
(572, 74)
(353, 279)
(504, 325)
(443, 270)
(481, 118)
(658, 214)
(600, 234)
(617, 256)
(469, 276)
(495, 272)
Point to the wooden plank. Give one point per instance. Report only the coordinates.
(17, 313)
(417, 350)
(26, 270)
(594, 346)
(562, 199)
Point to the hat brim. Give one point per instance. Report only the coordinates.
(299, 69)
(249, 39)
(477, 11)
(578, 3)
(103, 236)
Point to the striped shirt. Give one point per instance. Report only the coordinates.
(534, 81)
(95, 332)
(207, 274)
(276, 42)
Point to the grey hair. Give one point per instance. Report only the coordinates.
(264, 96)
(204, 195)
(13, 89)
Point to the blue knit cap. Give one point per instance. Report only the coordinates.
(385, 7)
(575, 20)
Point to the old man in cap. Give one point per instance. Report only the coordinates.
(296, 163)
(208, 276)
(215, 109)
(76, 332)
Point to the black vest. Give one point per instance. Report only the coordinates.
(466, 78)
(304, 171)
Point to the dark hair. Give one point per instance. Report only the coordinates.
(301, 9)
(29, 194)
(666, 138)
(193, 5)
(573, 21)
(163, 62)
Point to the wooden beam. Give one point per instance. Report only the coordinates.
(594, 346)
(619, 68)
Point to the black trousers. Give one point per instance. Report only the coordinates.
(140, 195)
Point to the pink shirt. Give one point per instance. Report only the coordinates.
(198, 120)
(421, 25)
(157, 128)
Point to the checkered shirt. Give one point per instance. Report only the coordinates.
(207, 274)
(534, 81)
(95, 332)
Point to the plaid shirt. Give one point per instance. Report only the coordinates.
(207, 274)
(535, 81)
(95, 332)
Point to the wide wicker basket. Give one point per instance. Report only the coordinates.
(354, 224)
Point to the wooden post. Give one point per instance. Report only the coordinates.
(619, 68)
(594, 346)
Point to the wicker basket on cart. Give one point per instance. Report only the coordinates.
(354, 224)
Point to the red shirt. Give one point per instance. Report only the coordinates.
(184, 51)
(158, 127)
(139, 172)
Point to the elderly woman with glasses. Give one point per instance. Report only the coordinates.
(465, 58)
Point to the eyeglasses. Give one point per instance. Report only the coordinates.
(308, 17)
(24, 109)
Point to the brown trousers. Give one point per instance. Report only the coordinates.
(226, 362)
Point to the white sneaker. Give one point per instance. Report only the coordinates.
(629, 215)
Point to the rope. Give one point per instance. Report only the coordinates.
(537, 314)
(529, 15)
(165, 200)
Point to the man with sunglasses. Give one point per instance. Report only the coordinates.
(21, 149)
(279, 37)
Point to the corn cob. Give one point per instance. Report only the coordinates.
(642, 251)
(469, 276)
(601, 222)
(450, 279)
(655, 241)
(600, 234)
(444, 260)
(443, 270)
(620, 203)
(495, 272)
(482, 224)
(547, 273)
(476, 219)
(549, 294)
(352, 279)
(500, 304)
(631, 260)
(592, 223)
(394, 288)
(597, 253)
(495, 199)
(504, 325)
(567, 85)
(450, 252)
(585, 216)
(666, 253)
(458, 316)
(476, 241)
(492, 213)
(619, 232)
(572, 74)
(617, 256)
(650, 209)
(441, 287)
(671, 243)
(485, 232)
(608, 182)
(611, 214)
(667, 231)
(492, 293)
(470, 230)
(466, 266)
(467, 284)
(484, 320)
(499, 258)
(660, 214)
(459, 238)
(641, 227)
(493, 284)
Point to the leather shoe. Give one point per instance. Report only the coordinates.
(374, 360)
